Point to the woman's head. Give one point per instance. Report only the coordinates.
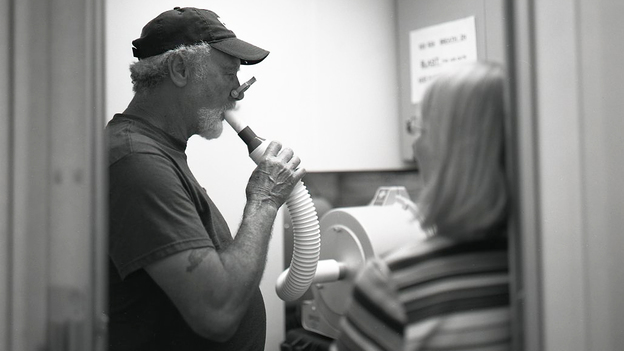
(460, 152)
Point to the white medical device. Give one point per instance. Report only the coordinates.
(351, 236)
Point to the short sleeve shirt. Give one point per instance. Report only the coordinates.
(157, 208)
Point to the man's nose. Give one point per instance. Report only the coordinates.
(237, 96)
(239, 93)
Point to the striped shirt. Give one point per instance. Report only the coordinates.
(436, 295)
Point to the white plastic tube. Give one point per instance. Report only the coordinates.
(296, 280)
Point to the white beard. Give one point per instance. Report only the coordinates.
(210, 122)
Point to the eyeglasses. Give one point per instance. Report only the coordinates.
(414, 125)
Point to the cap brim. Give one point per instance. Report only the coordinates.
(248, 54)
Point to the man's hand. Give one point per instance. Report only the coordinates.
(213, 288)
(276, 175)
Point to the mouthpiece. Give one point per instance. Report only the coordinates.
(244, 132)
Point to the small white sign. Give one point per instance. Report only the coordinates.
(435, 48)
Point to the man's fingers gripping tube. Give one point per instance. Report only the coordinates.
(297, 279)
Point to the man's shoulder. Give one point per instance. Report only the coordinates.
(124, 138)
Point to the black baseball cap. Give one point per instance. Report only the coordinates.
(188, 26)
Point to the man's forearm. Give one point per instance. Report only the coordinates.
(245, 258)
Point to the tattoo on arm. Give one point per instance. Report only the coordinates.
(195, 258)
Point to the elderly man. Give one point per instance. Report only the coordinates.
(178, 279)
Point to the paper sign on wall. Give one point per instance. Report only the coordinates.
(435, 48)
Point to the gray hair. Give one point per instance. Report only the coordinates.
(151, 71)
(466, 195)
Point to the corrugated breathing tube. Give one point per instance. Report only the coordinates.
(296, 280)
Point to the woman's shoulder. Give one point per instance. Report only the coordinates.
(440, 247)
(416, 252)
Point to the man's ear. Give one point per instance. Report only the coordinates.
(178, 70)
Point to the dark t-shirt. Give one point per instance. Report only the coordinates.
(157, 208)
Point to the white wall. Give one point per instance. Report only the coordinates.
(4, 175)
(561, 178)
(579, 107)
(329, 90)
(602, 85)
